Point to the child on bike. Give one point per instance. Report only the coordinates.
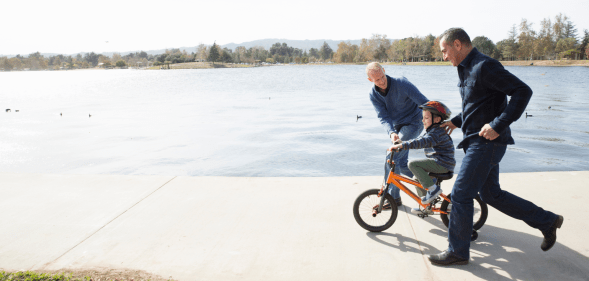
(438, 148)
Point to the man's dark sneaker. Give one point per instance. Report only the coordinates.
(550, 234)
(447, 258)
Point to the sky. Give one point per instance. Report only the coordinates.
(69, 27)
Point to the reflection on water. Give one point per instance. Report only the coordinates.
(269, 121)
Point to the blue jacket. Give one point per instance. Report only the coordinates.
(437, 144)
(484, 87)
(400, 106)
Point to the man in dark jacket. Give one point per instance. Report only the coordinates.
(484, 120)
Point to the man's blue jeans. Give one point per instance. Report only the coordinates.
(479, 174)
(406, 132)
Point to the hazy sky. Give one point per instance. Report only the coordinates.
(69, 27)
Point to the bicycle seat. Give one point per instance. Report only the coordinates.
(444, 176)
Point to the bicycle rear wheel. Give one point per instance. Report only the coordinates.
(480, 212)
(365, 215)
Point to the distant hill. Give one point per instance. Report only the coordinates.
(301, 44)
(266, 43)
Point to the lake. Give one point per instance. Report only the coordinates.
(291, 121)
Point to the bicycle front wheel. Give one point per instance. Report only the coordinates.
(479, 217)
(365, 215)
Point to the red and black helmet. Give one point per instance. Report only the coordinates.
(437, 108)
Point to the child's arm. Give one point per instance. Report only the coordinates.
(419, 143)
(396, 146)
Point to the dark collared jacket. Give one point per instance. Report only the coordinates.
(484, 86)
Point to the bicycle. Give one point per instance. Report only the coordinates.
(375, 210)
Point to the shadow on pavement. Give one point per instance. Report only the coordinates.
(501, 254)
(406, 244)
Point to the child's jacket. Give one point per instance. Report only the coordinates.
(437, 144)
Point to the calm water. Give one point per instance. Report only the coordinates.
(270, 121)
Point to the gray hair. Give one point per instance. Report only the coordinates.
(373, 66)
(455, 33)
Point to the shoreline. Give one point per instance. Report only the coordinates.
(208, 65)
(504, 63)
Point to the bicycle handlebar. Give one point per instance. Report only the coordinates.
(392, 151)
(396, 142)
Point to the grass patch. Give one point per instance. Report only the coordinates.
(33, 276)
(81, 275)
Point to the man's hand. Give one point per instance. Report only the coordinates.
(394, 137)
(448, 126)
(488, 132)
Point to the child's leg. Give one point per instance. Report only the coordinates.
(417, 168)
(421, 169)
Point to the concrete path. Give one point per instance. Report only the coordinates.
(223, 228)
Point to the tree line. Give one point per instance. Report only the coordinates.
(36, 61)
(555, 39)
(278, 53)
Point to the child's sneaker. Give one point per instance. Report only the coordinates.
(419, 211)
(432, 193)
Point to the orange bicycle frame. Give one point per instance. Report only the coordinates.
(397, 179)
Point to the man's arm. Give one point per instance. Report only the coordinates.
(413, 93)
(457, 120)
(383, 115)
(495, 77)
(454, 123)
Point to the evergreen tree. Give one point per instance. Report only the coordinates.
(214, 53)
(325, 51)
(569, 30)
(584, 47)
(313, 53)
(226, 56)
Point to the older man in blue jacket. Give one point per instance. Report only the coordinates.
(484, 120)
(396, 101)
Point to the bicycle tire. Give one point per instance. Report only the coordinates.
(475, 225)
(363, 209)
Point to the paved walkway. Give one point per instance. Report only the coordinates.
(224, 228)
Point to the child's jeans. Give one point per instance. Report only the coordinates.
(421, 169)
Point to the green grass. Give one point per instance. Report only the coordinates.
(33, 276)
(80, 276)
